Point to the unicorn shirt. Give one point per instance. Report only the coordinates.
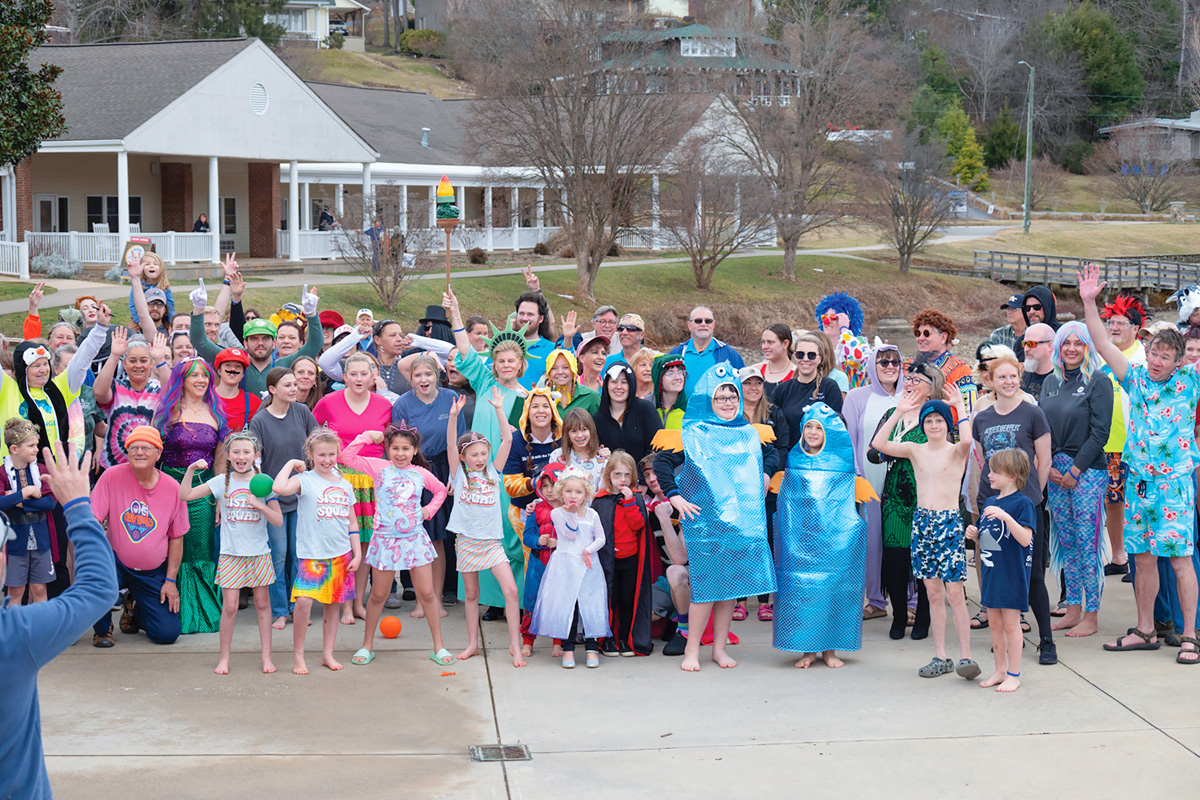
(397, 491)
(323, 521)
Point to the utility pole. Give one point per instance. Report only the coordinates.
(1183, 46)
(1028, 143)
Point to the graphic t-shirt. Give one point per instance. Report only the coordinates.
(243, 528)
(12, 404)
(139, 520)
(1005, 577)
(476, 512)
(323, 521)
(1019, 428)
(127, 409)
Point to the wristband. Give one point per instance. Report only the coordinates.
(171, 580)
(226, 282)
(458, 330)
(72, 503)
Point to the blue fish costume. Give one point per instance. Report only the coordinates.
(728, 554)
(820, 544)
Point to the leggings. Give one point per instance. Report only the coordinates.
(897, 576)
(1078, 526)
(591, 645)
(1039, 598)
(624, 588)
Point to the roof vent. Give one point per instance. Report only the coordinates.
(258, 99)
(425, 137)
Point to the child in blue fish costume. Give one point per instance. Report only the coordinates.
(725, 464)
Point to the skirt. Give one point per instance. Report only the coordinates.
(395, 553)
(326, 580)
(435, 526)
(477, 555)
(237, 572)
(199, 597)
(364, 500)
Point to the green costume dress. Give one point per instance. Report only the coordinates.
(899, 500)
(199, 595)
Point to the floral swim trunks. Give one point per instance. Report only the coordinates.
(937, 546)
(1160, 512)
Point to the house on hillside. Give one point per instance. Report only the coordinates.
(310, 20)
(1183, 134)
(159, 132)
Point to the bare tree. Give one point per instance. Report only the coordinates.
(844, 81)
(903, 198)
(984, 46)
(389, 258)
(1145, 165)
(713, 204)
(564, 103)
(1047, 180)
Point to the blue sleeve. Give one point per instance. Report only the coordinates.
(397, 410)
(735, 358)
(770, 457)
(10, 500)
(531, 532)
(133, 311)
(514, 465)
(677, 350)
(171, 305)
(1026, 514)
(51, 627)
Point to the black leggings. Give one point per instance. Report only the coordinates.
(1039, 598)
(897, 574)
(624, 589)
(568, 645)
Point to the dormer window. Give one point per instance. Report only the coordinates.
(708, 48)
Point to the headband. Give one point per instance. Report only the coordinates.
(474, 438)
(243, 435)
(574, 472)
(34, 353)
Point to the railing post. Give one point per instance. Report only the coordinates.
(23, 260)
(1140, 268)
(1020, 263)
(170, 247)
(73, 246)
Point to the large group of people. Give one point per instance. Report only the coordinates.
(584, 487)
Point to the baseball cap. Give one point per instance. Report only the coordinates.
(586, 343)
(259, 326)
(1155, 328)
(155, 294)
(331, 319)
(341, 329)
(232, 354)
(746, 373)
(1013, 302)
(633, 319)
(366, 311)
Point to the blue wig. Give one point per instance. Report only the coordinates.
(171, 397)
(842, 303)
(1091, 359)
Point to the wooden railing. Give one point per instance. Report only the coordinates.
(1121, 273)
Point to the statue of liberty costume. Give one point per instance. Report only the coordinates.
(723, 463)
(820, 544)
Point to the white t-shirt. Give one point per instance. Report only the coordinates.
(476, 512)
(243, 528)
(323, 521)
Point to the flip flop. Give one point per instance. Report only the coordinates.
(437, 657)
(983, 623)
(1145, 644)
(871, 612)
(362, 657)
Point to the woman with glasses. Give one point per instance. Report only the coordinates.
(811, 384)
(864, 408)
(898, 502)
(669, 376)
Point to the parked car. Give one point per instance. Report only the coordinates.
(339, 26)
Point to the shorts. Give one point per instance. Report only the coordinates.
(661, 604)
(237, 572)
(478, 555)
(34, 567)
(1118, 471)
(326, 580)
(937, 546)
(395, 553)
(1160, 515)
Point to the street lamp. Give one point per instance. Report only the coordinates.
(1028, 142)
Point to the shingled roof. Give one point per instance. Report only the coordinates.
(109, 90)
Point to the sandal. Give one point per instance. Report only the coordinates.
(766, 612)
(939, 666)
(872, 612)
(1025, 627)
(1146, 644)
(362, 657)
(739, 612)
(912, 617)
(440, 657)
(1194, 651)
(1059, 611)
(981, 619)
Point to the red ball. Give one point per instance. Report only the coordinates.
(389, 627)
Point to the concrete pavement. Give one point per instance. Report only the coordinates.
(141, 720)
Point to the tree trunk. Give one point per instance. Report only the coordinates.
(905, 260)
(789, 257)
(400, 10)
(587, 277)
(387, 29)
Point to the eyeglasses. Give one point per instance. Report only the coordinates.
(888, 362)
(699, 321)
(807, 356)
(1029, 345)
(636, 329)
(675, 368)
(725, 399)
(141, 448)
(1033, 306)
(1119, 324)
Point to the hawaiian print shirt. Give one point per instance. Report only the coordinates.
(1161, 438)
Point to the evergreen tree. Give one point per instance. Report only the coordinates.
(30, 106)
(1004, 141)
(1114, 83)
(962, 149)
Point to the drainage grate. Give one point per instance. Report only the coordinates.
(499, 752)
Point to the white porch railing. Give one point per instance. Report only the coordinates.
(313, 244)
(14, 259)
(105, 248)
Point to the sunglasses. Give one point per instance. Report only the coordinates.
(888, 362)
(926, 333)
(1033, 306)
(636, 329)
(699, 321)
(808, 356)
(1029, 345)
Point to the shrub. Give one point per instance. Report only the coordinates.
(116, 273)
(477, 255)
(427, 43)
(540, 249)
(335, 41)
(55, 265)
(614, 251)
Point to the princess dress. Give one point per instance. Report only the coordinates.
(568, 581)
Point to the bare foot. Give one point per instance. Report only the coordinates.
(527, 650)
(472, 650)
(300, 668)
(1010, 684)
(417, 613)
(556, 651)
(1085, 628)
(690, 664)
(331, 662)
(806, 661)
(518, 660)
(268, 666)
(360, 612)
(995, 679)
(723, 660)
(831, 660)
(444, 613)
(280, 623)
(347, 618)
(222, 667)
(1069, 621)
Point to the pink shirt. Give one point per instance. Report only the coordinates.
(139, 520)
(334, 411)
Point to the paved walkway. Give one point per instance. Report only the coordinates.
(1099, 725)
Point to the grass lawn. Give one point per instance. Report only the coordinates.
(388, 71)
(13, 290)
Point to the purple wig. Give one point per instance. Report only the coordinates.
(172, 396)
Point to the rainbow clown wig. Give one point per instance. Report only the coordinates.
(842, 303)
(171, 398)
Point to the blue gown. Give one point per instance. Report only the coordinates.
(728, 554)
(820, 545)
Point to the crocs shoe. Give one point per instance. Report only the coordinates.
(967, 669)
(739, 612)
(766, 612)
(939, 666)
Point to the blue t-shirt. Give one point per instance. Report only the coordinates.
(535, 361)
(1005, 577)
(429, 420)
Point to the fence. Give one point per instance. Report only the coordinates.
(1121, 273)
(106, 248)
(14, 259)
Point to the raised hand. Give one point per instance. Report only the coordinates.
(120, 341)
(230, 266)
(67, 475)
(103, 315)
(199, 298)
(135, 269)
(237, 286)
(158, 348)
(35, 298)
(308, 301)
(199, 464)
(1090, 284)
(497, 399)
(450, 303)
(459, 403)
(531, 279)
(569, 328)
(365, 329)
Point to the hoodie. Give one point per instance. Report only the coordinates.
(864, 409)
(1046, 297)
(672, 417)
(578, 396)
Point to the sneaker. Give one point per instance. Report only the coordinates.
(625, 650)
(103, 639)
(449, 599)
(676, 646)
(939, 666)
(128, 623)
(609, 648)
(967, 669)
(1116, 569)
(1047, 653)
(392, 602)
(409, 594)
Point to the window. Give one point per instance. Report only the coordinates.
(229, 215)
(708, 48)
(103, 208)
(292, 20)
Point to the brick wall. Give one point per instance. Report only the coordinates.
(263, 180)
(176, 197)
(24, 198)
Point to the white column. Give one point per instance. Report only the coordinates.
(404, 208)
(654, 241)
(341, 197)
(432, 206)
(460, 197)
(214, 208)
(541, 207)
(306, 205)
(368, 197)
(514, 214)
(293, 211)
(122, 198)
(10, 205)
(487, 218)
